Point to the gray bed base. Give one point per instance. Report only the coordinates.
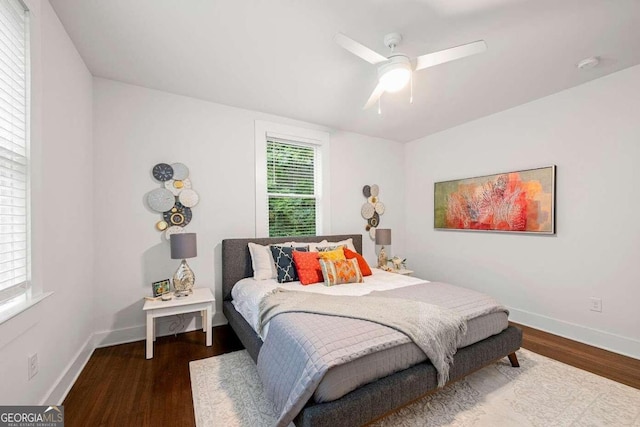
(375, 399)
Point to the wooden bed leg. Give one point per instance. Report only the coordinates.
(514, 360)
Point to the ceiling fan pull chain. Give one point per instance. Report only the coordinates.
(411, 89)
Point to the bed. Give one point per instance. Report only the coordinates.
(375, 399)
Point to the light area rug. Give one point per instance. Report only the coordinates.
(542, 393)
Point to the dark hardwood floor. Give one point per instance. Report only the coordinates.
(119, 387)
(623, 369)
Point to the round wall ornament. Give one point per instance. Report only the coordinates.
(367, 210)
(180, 171)
(160, 199)
(178, 215)
(174, 229)
(162, 172)
(189, 198)
(374, 221)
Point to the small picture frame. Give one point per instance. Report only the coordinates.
(161, 287)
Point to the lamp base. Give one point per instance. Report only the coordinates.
(183, 279)
(382, 258)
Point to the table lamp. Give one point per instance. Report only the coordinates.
(383, 237)
(183, 245)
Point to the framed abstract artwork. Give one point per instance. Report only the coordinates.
(516, 202)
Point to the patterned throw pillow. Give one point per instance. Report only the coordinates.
(283, 257)
(308, 267)
(336, 254)
(329, 248)
(340, 271)
(362, 263)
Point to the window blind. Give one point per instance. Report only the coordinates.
(291, 188)
(13, 144)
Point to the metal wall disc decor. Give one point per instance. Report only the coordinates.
(162, 172)
(176, 186)
(372, 208)
(174, 199)
(178, 215)
(174, 229)
(189, 198)
(180, 171)
(160, 199)
(367, 210)
(374, 220)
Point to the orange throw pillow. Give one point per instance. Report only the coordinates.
(362, 263)
(308, 267)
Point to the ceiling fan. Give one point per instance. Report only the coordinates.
(396, 70)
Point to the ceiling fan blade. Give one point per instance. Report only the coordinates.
(375, 95)
(436, 58)
(359, 49)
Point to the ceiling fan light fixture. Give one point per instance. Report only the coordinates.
(394, 75)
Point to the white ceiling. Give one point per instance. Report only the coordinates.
(278, 56)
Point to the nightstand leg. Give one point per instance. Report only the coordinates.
(150, 329)
(204, 323)
(208, 323)
(154, 329)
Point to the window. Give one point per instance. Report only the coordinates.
(14, 150)
(291, 175)
(291, 188)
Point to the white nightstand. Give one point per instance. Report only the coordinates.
(201, 300)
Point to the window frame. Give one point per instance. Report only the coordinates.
(30, 292)
(318, 139)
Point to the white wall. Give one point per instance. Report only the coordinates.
(592, 134)
(58, 328)
(135, 128)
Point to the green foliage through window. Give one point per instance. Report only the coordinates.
(291, 189)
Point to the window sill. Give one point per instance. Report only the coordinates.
(12, 309)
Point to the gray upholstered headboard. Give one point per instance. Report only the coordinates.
(236, 260)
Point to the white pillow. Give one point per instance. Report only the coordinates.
(324, 244)
(313, 247)
(264, 267)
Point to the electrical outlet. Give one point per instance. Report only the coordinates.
(32, 361)
(595, 304)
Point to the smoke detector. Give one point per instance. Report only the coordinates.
(588, 63)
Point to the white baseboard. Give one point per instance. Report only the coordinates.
(58, 392)
(139, 333)
(65, 381)
(594, 337)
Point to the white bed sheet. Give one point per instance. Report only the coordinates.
(248, 293)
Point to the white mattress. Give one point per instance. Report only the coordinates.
(248, 293)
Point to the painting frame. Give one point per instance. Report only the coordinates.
(161, 287)
(550, 183)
